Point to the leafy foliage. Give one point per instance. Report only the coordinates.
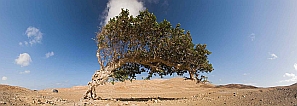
(133, 45)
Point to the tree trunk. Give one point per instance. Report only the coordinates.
(99, 78)
(192, 75)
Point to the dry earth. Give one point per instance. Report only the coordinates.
(172, 92)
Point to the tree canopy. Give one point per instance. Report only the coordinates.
(129, 45)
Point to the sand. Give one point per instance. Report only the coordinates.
(158, 92)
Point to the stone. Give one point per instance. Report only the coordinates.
(125, 103)
(2, 102)
(55, 91)
(155, 101)
(39, 102)
(133, 104)
(234, 94)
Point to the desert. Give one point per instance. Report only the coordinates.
(156, 92)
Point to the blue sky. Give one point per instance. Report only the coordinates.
(47, 44)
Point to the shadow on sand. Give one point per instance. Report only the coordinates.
(141, 99)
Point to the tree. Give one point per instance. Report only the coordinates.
(130, 45)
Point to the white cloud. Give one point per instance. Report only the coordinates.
(245, 74)
(293, 77)
(272, 56)
(34, 35)
(24, 59)
(295, 66)
(4, 78)
(114, 8)
(25, 72)
(289, 75)
(250, 83)
(20, 43)
(252, 36)
(49, 54)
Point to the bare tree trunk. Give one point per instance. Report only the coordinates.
(100, 77)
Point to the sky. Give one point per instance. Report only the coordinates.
(49, 43)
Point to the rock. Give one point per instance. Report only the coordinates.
(50, 102)
(39, 102)
(112, 99)
(1, 102)
(234, 94)
(125, 103)
(155, 101)
(55, 91)
(133, 104)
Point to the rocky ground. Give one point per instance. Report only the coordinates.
(172, 92)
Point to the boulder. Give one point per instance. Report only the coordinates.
(55, 91)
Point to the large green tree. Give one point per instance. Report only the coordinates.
(130, 45)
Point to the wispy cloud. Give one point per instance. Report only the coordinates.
(151, 1)
(245, 74)
(23, 43)
(25, 72)
(34, 35)
(252, 36)
(24, 59)
(292, 77)
(114, 7)
(295, 66)
(289, 75)
(49, 54)
(272, 56)
(165, 3)
(4, 78)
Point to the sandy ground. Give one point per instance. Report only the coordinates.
(158, 92)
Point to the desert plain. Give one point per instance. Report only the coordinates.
(156, 92)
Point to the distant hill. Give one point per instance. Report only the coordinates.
(239, 86)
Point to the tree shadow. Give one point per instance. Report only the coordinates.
(141, 99)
